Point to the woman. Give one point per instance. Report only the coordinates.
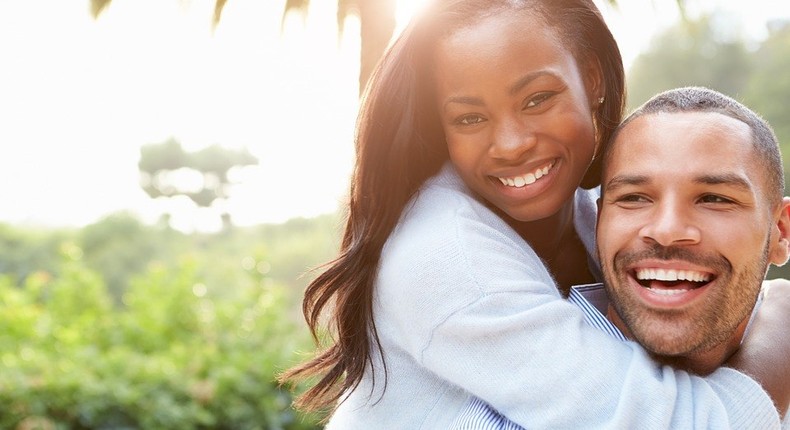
(466, 226)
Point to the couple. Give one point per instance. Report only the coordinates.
(691, 182)
(472, 212)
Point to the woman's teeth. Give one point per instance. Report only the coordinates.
(529, 178)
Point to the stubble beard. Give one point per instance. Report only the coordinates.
(682, 332)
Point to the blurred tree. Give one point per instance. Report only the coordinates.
(24, 251)
(768, 89)
(693, 52)
(120, 246)
(376, 19)
(167, 170)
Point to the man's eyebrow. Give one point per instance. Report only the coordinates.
(729, 179)
(619, 181)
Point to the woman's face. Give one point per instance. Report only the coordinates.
(516, 112)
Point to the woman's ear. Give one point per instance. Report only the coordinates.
(592, 75)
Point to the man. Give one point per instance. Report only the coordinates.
(691, 216)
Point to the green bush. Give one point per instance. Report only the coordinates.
(173, 355)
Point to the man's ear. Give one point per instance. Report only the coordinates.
(599, 202)
(780, 235)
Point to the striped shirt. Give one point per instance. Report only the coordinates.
(593, 301)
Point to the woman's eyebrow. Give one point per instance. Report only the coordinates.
(467, 100)
(515, 88)
(526, 79)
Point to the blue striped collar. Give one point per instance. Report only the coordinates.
(593, 301)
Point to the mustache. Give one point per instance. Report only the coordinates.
(666, 253)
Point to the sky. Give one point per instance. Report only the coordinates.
(79, 96)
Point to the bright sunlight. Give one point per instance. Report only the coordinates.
(80, 96)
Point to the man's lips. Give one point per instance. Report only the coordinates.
(663, 286)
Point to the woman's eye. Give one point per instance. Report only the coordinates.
(469, 120)
(538, 99)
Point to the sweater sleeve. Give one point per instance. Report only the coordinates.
(473, 304)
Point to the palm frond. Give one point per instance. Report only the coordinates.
(294, 5)
(344, 9)
(97, 6)
(217, 12)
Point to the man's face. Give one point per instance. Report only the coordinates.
(686, 231)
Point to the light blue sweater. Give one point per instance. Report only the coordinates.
(463, 307)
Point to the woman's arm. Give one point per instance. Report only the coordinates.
(765, 351)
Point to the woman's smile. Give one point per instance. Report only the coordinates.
(526, 179)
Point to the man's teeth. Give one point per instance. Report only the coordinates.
(667, 292)
(671, 275)
(529, 178)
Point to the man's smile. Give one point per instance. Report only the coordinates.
(664, 287)
(671, 282)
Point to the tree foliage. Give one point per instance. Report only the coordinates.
(192, 340)
(120, 247)
(701, 52)
(768, 88)
(167, 170)
(693, 52)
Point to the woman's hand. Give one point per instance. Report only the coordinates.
(765, 352)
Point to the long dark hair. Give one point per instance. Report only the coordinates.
(399, 144)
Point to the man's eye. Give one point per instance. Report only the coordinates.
(632, 198)
(712, 198)
(469, 120)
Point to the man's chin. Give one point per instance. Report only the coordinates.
(672, 347)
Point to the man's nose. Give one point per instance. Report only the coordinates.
(671, 224)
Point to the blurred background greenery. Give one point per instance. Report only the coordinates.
(124, 323)
(121, 325)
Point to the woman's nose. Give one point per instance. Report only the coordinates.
(511, 140)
